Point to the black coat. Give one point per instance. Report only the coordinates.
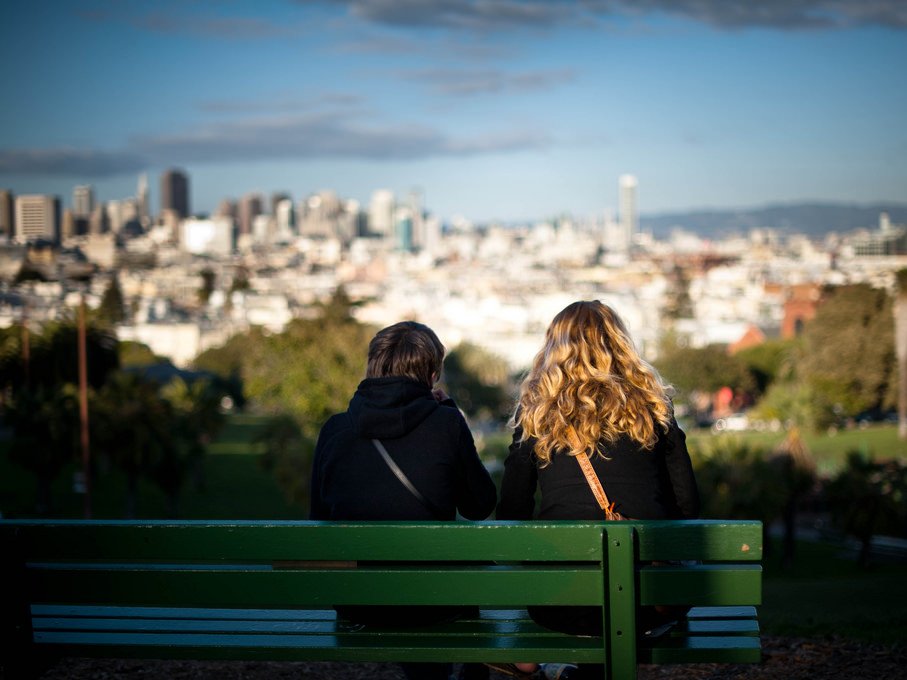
(429, 441)
(643, 484)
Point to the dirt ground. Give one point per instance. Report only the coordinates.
(783, 658)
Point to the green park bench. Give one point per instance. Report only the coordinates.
(262, 590)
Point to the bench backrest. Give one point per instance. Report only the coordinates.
(307, 564)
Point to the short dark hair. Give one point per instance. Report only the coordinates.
(408, 349)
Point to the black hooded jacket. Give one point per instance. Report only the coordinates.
(428, 440)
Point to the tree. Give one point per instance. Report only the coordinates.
(134, 354)
(848, 357)
(704, 368)
(53, 357)
(900, 330)
(308, 371)
(288, 454)
(207, 287)
(769, 361)
(133, 427)
(42, 404)
(45, 425)
(479, 382)
(112, 309)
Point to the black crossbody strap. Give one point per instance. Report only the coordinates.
(404, 479)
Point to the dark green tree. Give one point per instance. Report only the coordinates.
(848, 357)
(133, 427)
(479, 382)
(112, 309)
(704, 369)
(287, 453)
(45, 429)
(209, 278)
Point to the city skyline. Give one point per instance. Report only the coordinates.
(492, 110)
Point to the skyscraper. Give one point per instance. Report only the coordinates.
(141, 197)
(629, 217)
(175, 192)
(250, 206)
(37, 217)
(83, 200)
(6, 214)
(381, 213)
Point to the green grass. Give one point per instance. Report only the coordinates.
(829, 450)
(826, 593)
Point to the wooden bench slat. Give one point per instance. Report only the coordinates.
(705, 649)
(704, 584)
(727, 612)
(234, 541)
(713, 540)
(491, 586)
(300, 540)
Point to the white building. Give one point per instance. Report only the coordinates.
(213, 236)
(37, 217)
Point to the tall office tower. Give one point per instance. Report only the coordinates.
(82, 200)
(142, 200)
(37, 217)
(250, 206)
(629, 217)
(67, 224)
(175, 192)
(403, 229)
(276, 198)
(418, 228)
(6, 214)
(285, 219)
(226, 208)
(117, 214)
(98, 222)
(381, 213)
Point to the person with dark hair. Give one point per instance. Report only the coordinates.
(401, 451)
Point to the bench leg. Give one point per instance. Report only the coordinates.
(620, 610)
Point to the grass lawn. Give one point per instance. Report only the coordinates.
(829, 449)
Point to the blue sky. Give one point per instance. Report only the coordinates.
(506, 109)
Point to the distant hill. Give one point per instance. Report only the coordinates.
(812, 219)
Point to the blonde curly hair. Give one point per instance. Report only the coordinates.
(588, 386)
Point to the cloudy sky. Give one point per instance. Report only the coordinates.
(494, 109)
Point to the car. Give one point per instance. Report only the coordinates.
(736, 422)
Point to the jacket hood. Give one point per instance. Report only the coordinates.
(387, 408)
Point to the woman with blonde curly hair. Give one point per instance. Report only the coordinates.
(589, 392)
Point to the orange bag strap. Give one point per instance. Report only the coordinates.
(597, 489)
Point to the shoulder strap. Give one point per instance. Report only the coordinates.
(404, 479)
(597, 489)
